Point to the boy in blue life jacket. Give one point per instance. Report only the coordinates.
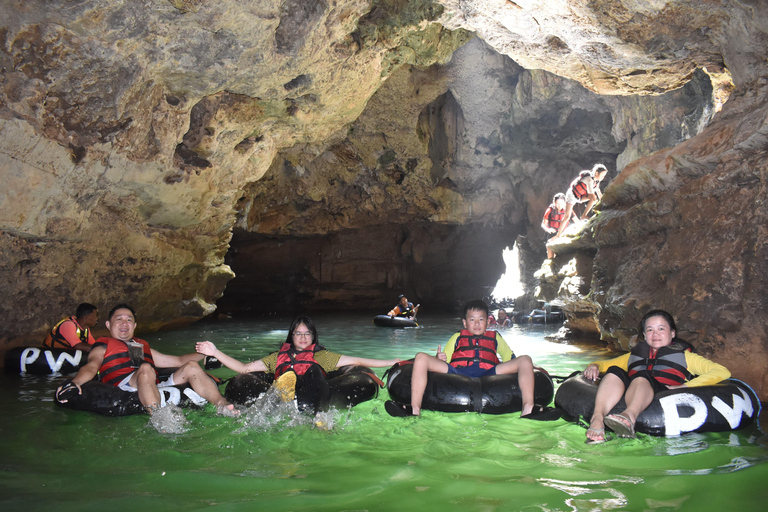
(475, 352)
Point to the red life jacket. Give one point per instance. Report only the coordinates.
(470, 349)
(56, 340)
(578, 187)
(117, 362)
(290, 359)
(667, 364)
(554, 216)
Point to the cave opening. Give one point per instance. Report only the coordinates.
(509, 286)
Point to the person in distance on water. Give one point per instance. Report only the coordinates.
(404, 309)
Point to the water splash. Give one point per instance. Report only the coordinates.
(269, 412)
(169, 420)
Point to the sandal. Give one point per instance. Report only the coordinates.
(543, 413)
(621, 425)
(398, 410)
(599, 440)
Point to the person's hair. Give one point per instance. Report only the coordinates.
(400, 297)
(122, 306)
(598, 168)
(656, 312)
(301, 319)
(559, 195)
(85, 309)
(476, 304)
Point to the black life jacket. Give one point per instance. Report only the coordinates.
(667, 364)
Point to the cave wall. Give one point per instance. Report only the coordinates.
(362, 269)
(128, 131)
(477, 141)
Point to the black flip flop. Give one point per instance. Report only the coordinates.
(398, 410)
(542, 413)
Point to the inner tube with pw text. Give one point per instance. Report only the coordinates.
(728, 405)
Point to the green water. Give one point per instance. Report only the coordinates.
(55, 459)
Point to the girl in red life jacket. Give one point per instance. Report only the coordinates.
(584, 189)
(299, 363)
(659, 361)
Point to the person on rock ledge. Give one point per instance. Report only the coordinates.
(553, 218)
(475, 352)
(130, 364)
(584, 189)
(404, 308)
(74, 332)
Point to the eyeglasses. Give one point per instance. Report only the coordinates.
(302, 334)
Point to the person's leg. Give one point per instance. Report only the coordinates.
(422, 365)
(313, 394)
(639, 396)
(566, 219)
(523, 366)
(203, 385)
(609, 392)
(144, 380)
(590, 204)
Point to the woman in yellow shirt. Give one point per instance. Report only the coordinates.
(659, 361)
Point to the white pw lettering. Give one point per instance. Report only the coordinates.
(56, 364)
(673, 422)
(28, 356)
(741, 404)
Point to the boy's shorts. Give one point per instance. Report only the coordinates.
(472, 371)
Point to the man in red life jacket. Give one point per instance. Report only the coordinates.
(130, 364)
(474, 352)
(553, 217)
(584, 189)
(75, 331)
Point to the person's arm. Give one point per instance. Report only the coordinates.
(395, 311)
(194, 356)
(449, 348)
(363, 361)
(707, 372)
(84, 374)
(593, 370)
(68, 331)
(503, 349)
(206, 348)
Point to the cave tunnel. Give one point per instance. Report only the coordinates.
(434, 180)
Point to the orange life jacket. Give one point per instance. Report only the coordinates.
(578, 187)
(470, 349)
(554, 216)
(56, 340)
